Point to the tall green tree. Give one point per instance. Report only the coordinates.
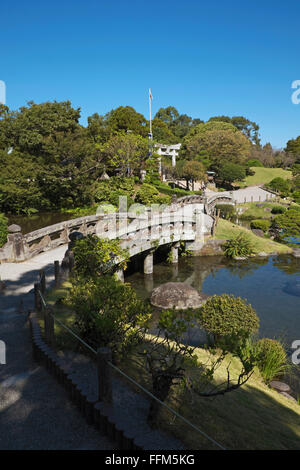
(222, 141)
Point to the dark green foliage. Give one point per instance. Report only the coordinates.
(227, 211)
(94, 256)
(110, 190)
(108, 313)
(289, 222)
(228, 316)
(280, 185)
(278, 210)
(239, 245)
(250, 172)
(296, 196)
(260, 224)
(3, 229)
(271, 358)
(293, 146)
(230, 172)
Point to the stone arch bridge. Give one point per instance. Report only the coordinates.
(138, 233)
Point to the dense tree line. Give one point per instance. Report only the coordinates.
(48, 160)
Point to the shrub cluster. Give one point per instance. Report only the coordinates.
(94, 256)
(260, 224)
(278, 210)
(148, 194)
(108, 313)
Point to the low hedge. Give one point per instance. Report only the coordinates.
(260, 224)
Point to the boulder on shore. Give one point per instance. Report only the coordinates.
(177, 295)
(280, 386)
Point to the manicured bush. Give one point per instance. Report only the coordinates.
(3, 229)
(227, 211)
(240, 245)
(260, 224)
(278, 210)
(271, 358)
(226, 315)
(108, 313)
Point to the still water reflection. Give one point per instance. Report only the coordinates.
(271, 285)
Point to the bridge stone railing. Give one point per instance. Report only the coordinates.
(136, 232)
(208, 202)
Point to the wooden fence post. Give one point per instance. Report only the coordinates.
(104, 375)
(56, 272)
(43, 281)
(37, 298)
(49, 326)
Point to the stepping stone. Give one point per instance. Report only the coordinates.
(280, 386)
(287, 395)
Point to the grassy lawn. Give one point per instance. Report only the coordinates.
(253, 417)
(264, 176)
(226, 230)
(254, 212)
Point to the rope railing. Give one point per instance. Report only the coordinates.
(130, 379)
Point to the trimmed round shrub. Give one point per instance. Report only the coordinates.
(278, 210)
(271, 358)
(260, 224)
(227, 315)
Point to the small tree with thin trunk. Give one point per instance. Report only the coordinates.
(168, 357)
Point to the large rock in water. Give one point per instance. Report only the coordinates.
(177, 295)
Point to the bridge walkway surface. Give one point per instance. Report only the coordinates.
(35, 411)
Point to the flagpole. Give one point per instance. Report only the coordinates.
(150, 114)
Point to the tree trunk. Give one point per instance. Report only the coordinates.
(161, 386)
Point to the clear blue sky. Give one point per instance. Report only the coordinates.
(205, 58)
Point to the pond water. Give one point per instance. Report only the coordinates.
(270, 285)
(37, 221)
